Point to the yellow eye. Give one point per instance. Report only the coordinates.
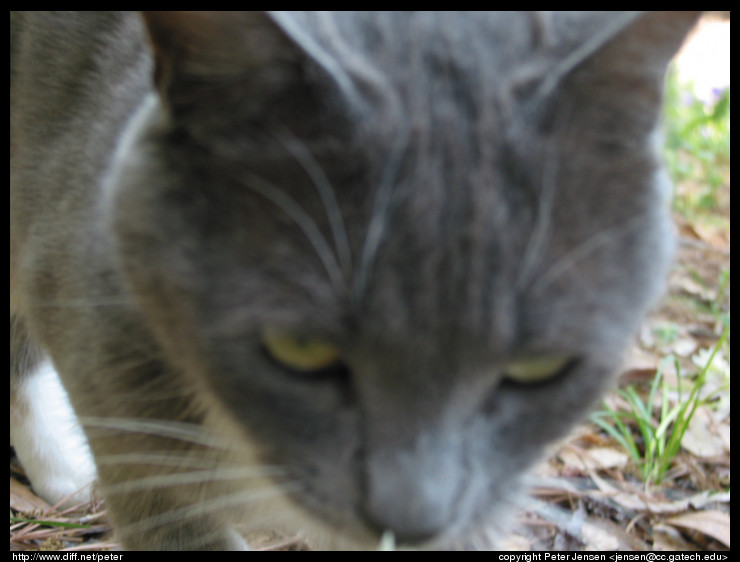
(536, 369)
(299, 353)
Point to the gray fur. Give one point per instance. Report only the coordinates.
(438, 194)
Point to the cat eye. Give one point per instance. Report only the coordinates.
(298, 353)
(538, 369)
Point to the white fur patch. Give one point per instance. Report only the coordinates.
(48, 439)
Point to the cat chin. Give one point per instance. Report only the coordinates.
(275, 504)
(295, 521)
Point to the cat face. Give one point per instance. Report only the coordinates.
(400, 280)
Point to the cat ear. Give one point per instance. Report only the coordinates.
(210, 64)
(615, 79)
(648, 43)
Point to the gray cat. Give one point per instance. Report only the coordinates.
(348, 273)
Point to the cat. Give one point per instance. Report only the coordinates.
(348, 273)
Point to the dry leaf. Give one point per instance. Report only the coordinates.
(666, 537)
(594, 458)
(701, 438)
(641, 500)
(684, 347)
(24, 500)
(716, 524)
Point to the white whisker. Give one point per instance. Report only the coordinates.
(580, 252)
(86, 302)
(181, 431)
(176, 459)
(327, 193)
(198, 477)
(536, 241)
(304, 221)
(380, 213)
(208, 506)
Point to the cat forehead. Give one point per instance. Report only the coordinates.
(457, 198)
(367, 52)
(352, 38)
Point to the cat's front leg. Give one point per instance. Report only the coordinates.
(48, 440)
(44, 430)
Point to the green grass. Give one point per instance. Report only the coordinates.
(61, 524)
(697, 148)
(660, 435)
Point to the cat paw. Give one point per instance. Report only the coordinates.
(48, 439)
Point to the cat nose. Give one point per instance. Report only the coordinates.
(414, 495)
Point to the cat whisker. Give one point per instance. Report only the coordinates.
(180, 431)
(381, 212)
(304, 221)
(198, 477)
(176, 459)
(536, 241)
(208, 506)
(582, 251)
(151, 389)
(326, 191)
(86, 302)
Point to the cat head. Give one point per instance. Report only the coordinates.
(403, 252)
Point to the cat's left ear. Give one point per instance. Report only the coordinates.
(214, 69)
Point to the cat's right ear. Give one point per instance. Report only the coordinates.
(615, 79)
(213, 69)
